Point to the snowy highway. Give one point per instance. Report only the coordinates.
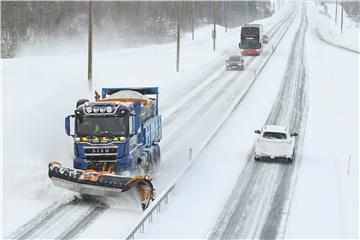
(259, 204)
(225, 194)
(224, 87)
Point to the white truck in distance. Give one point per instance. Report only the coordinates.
(275, 142)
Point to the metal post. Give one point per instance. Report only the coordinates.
(342, 15)
(273, 6)
(178, 38)
(226, 15)
(150, 218)
(193, 20)
(90, 12)
(214, 31)
(335, 12)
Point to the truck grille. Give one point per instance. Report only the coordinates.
(100, 153)
(101, 158)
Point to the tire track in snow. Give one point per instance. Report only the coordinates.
(61, 221)
(259, 206)
(171, 114)
(65, 221)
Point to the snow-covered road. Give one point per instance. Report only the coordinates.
(325, 204)
(326, 198)
(216, 83)
(225, 194)
(247, 209)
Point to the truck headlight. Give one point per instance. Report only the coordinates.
(88, 109)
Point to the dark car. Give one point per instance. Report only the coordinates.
(235, 62)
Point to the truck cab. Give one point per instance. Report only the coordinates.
(119, 131)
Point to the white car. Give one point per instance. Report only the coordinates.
(275, 142)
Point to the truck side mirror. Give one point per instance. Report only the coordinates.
(257, 131)
(294, 134)
(69, 125)
(132, 129)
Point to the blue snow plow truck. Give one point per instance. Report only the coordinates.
(116, 144)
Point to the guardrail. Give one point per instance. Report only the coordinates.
(148, 215)
(164, 196)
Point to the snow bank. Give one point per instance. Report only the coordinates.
(324, 20)
(326, 199)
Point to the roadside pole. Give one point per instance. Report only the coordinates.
(336, 12)
(226, 14)
(342, 15)
(90, 23)
(214, 31)
(178, 38)
(193, 21)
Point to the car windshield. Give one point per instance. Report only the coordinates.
(102, 126)
(274, 135)
(235, 58)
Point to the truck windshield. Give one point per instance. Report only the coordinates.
(274, 135)
(250, 32)
(102, 126)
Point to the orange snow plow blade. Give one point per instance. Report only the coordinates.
(103, 183)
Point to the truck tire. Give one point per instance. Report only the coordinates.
(149, 165)
(256, 158)
(145, 164)
(157, 155)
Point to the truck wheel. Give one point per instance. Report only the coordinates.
(157, 155)
(149, 166)
(145, 164)
(256, 159)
